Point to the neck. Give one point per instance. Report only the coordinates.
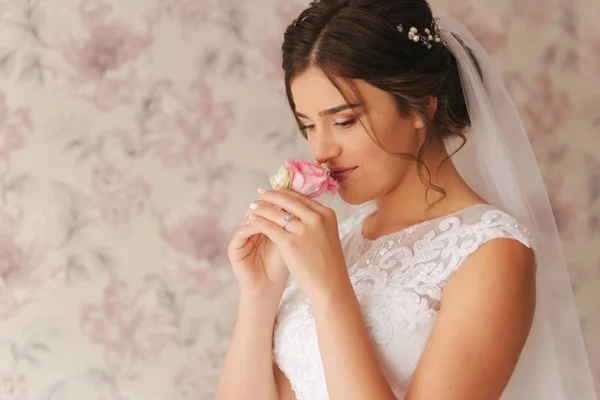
(410, 202)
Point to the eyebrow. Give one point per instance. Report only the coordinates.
(333, 110)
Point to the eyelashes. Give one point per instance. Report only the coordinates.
(347, 124)
(303, 131)
(344, 125)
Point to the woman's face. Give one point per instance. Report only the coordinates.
(337, 139)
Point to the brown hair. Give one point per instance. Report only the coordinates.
(358, 40)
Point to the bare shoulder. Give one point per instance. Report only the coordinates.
(485, 316)
(501, 274)
(499, 263)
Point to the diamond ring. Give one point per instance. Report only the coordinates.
(286, 220)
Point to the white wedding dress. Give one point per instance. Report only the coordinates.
(398, 280)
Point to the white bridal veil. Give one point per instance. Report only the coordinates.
(499, 164)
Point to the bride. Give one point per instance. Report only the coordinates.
(448, 282)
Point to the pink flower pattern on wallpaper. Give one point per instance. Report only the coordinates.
(287, 11)
(566, 208)
(28, 263)
(196, 252)
(104, 53)
(491, 30)
(184, 131)
(190, 13)
(15, 126)
(119, 197)
(13, 386)
(593, 53)
(588, 33)
(267, 65)
(542, 106)
(195, 380)
(536, 12)
(120, 190)
(131, 328)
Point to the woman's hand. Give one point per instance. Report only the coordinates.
(257, 263)
(309, 244)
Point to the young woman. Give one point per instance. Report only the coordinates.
(449, 283)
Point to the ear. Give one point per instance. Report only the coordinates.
(419, 124)
(432, 103)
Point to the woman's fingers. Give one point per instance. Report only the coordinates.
(301, 206)
(267, 211)
(240, 241)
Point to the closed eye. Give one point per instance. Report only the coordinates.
(304, 128)
(343, 124)
(347, 123)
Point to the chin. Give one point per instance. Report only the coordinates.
(353, 198)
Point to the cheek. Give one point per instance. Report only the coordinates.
(401, 138)
(390, 167)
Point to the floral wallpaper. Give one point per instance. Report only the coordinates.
(133, 135)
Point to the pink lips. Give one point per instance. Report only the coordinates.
(341, 175)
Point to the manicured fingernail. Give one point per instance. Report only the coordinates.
(261, 190)
(253, 206)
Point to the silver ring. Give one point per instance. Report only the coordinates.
(286, 220)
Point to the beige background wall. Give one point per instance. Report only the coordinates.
(133, 135)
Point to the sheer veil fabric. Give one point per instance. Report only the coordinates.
(498, 163)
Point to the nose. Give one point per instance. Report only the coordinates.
(324, 147)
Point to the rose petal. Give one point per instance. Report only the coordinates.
(309, 178)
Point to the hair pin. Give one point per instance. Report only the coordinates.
(427, 39)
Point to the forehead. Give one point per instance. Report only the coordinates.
(314, 92)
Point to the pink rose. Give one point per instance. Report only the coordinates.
(306, 177)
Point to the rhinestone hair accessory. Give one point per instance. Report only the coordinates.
(428, 38)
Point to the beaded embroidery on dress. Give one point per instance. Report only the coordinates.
(398, 280)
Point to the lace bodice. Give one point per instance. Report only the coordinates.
(398, 280)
